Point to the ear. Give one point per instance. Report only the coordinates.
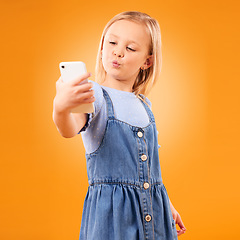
(148, 63)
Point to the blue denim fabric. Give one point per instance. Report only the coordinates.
(126, 199)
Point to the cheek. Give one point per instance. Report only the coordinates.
(105, 58)
(105, 49)
(104, 53)
(136, 62)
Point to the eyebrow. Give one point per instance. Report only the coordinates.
(131, 41)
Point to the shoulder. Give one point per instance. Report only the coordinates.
(146, 100)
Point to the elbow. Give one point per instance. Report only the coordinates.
(65, 130)
(67, 134)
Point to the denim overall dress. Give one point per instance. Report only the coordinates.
(126, 199)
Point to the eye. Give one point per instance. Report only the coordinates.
(113, 43)
(131, 49)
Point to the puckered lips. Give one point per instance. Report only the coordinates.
(115, 64)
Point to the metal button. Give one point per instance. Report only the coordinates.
(146, 185)
(148, 218)
(140, 134)
(144, 157)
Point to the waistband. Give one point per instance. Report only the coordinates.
(123, 183)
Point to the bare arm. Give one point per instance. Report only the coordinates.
(69, 124)
(68, 96)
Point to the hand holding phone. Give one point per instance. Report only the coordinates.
(73, 70)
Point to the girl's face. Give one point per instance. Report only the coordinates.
(125, 50)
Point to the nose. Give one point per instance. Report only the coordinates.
(118, 52)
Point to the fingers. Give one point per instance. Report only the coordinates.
(89, 100)
(86, 97)
(71, 94)
(179, 222)
(80, 79)
(84, 87)
(76, 81)
(84, 93)
(180, 232)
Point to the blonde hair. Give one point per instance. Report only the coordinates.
(146, 78)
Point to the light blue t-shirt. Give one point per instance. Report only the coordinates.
(127, 108)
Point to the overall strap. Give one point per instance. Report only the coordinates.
(149, 111)
(110, 110)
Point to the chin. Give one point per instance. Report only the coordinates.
(115, 76)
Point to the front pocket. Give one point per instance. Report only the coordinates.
(174, 230)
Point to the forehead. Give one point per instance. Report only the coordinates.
(129, 31)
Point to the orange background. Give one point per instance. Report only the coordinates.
(196, 105)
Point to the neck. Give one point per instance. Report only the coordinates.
(118, 84)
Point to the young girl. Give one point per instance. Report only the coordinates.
(126, 198)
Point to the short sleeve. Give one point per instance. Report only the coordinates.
(98, 94)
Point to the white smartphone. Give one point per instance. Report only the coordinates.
(70, 71)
